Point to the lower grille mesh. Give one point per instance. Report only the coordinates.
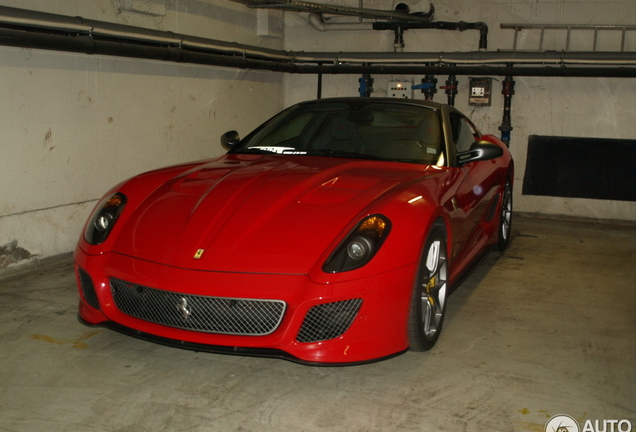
(328, 321)
(250, 317)
(88, 289)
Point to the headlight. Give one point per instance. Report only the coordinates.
(104, 217)
(360, 245)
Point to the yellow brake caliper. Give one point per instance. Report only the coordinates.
(431, 283)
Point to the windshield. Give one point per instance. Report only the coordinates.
(365, 129)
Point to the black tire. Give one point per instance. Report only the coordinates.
(428, 302)
(505, 218)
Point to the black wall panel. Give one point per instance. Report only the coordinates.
(596, 168)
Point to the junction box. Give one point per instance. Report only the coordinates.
(400, 89)
(479, 91)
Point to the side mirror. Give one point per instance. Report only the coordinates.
(230, 139)
(479, 151)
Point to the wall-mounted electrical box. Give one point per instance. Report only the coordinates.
(400, 89)
(479, 91)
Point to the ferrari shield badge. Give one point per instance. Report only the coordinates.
(198, 254)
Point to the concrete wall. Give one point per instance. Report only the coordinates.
(541, 106)
(73, 125)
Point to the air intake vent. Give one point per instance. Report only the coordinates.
(88, 289)
(328, 321)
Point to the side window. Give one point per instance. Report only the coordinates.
(464, 134)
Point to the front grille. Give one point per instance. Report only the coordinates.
(249, 317)
(88, 289)
(328, 320)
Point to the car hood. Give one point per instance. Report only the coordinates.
(256, 213)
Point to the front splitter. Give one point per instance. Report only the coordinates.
(227, 350)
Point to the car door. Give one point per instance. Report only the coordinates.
(477, 186)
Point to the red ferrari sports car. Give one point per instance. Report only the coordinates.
(332, 234)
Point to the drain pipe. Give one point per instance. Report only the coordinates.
(398, 42)
(451, 88)
(429, 86)
(507, 91)
(319, 89)
(366, 85)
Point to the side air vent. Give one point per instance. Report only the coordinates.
(88, 289)
(328, 321)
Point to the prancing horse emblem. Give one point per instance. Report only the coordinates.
(184, 309)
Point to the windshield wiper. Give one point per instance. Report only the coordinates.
(340, 153)
(252, 151)
(271, 150)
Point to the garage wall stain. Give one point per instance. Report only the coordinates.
(11, 253)
(48, 139)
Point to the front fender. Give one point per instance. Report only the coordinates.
(136, 190)
(412, 212)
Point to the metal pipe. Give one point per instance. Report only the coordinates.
(88, 45)
(451, 89)
(398, 41)
(471, 57)
(318, 22)
(311, 7)
(508, 90)
(438, 25)
(366, 85)
(375, 69)
(29, 29)
(80, 27)
(429, 86)
(319, 89)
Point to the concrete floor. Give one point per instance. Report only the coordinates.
(545, 329)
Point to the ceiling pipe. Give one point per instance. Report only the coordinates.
(87, 45)
(318, 22)
(561, 58)
(179, 55)
(527, 71)
(26, 20)
(70, 27)
(401, 14)
(400, 27)
(28, 29)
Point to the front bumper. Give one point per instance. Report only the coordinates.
(377, 330)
